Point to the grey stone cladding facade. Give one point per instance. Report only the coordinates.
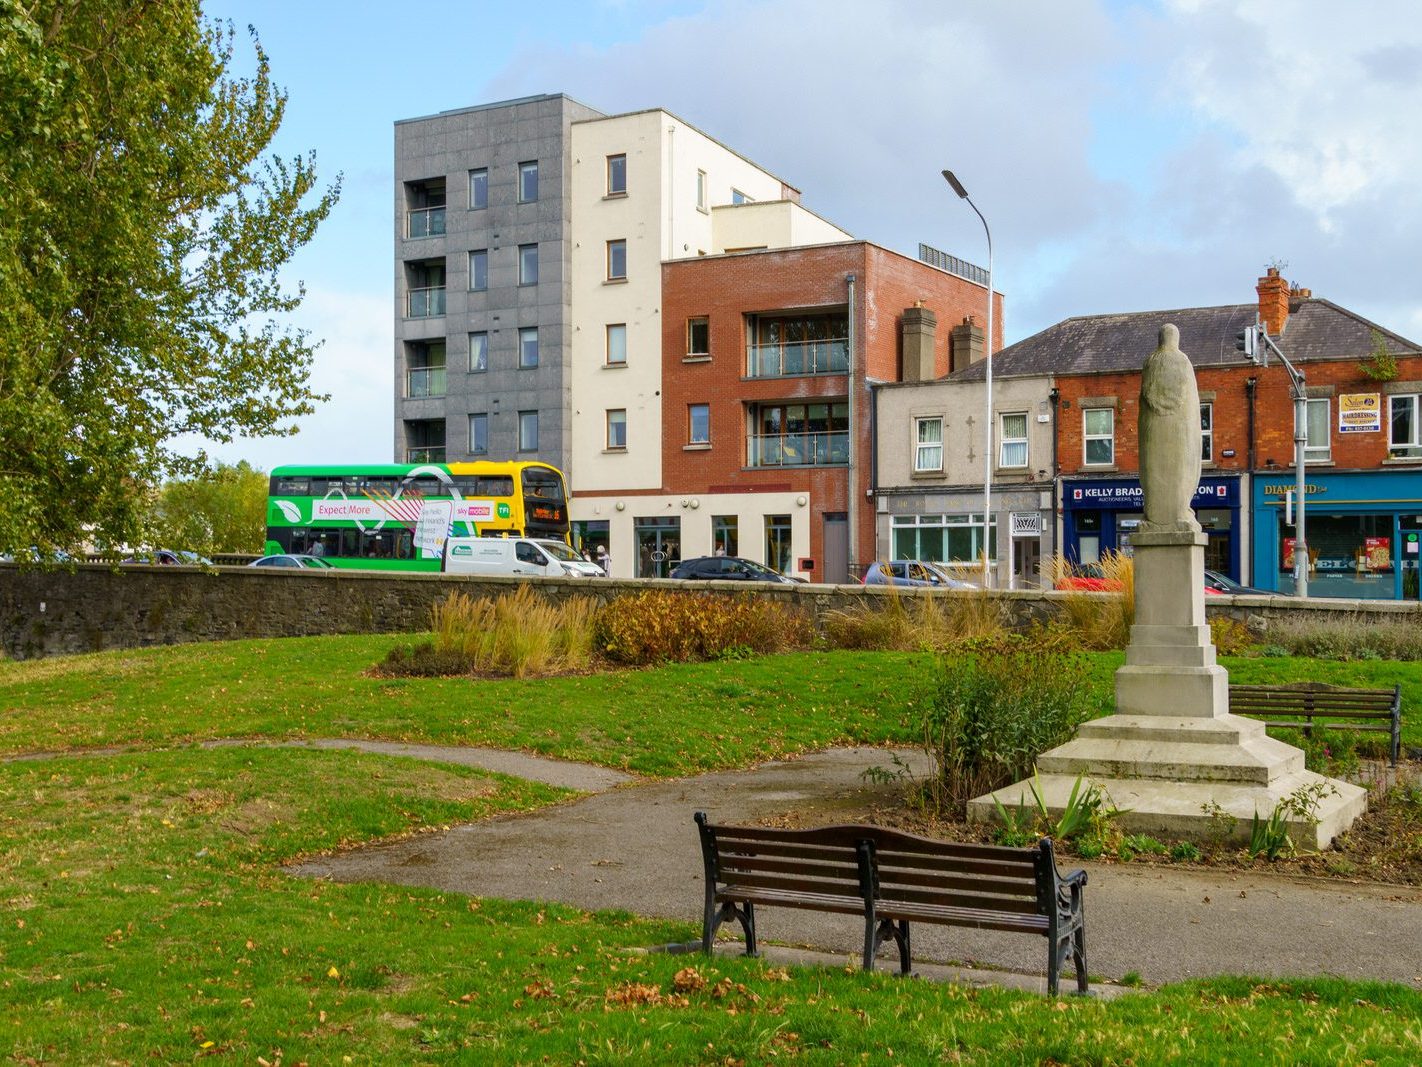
(435, 157)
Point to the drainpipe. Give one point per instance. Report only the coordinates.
(874, 458)
(1055, 396)
(1250, 384)
(851, 511)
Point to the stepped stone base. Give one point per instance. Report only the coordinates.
(1173, 810)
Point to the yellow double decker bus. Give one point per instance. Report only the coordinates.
(398, 516)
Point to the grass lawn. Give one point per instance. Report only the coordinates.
(145, 915)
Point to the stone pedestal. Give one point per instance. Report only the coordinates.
(1173, 754)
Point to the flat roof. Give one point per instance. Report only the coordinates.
(496, 104)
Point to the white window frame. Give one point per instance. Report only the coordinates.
(616, 329)
(1087, 438)
(616, 417)
(525, 334)
(528, 442)
(478, 351)
(621, 243)
(1313, 452)
(1410, 449)
(528, 166)
(481, 172)
(1007, 441)
(482, 417)
(613, 190)
(691, 437)
(701, 190)
(1207, 432)
(478, 255)
(923, 455)
(528, 264)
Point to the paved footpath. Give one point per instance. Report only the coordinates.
(634, 847)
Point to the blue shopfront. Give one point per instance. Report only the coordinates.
(1099, 515)
(1363, 530)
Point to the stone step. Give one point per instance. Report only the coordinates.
(1218, 730)
(1196, 811)
(1258, 761)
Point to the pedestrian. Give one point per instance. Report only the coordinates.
(604, 560)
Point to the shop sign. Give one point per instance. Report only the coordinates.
(1378, 553)
(1359, 413)
(1285, 488)
(1207, 495)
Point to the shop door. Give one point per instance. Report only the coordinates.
(1026, 563)
(658, 546)
(836, 569)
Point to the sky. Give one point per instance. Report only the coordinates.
(1128, 156)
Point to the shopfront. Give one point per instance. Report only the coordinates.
(1098, 516)
(1363, 531)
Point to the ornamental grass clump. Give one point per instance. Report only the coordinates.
(1097, 618)
(992, 709)
(676, 627)
(899, 620)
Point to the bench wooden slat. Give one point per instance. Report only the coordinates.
(839, 905)
(808, 853)
(900, 896)
(951, 916)
(946, 864)
(732, 866)
(992, 886)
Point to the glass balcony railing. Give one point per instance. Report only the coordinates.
(799, 357)
(424, 381)
(797, 449)
(425, 303)
(425, 222)
(425, 454)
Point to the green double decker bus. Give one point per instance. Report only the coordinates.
(398, 516)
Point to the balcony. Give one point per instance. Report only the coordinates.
(424, 381)
(425, 222)
(425, 303)
(798, 449)
(791, 358)
(425, 454)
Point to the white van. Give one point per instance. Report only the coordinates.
(515, 556)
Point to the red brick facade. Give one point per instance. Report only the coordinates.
(726, 289)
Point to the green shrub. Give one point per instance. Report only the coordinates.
(1184, 852)
(990, 711)
(1348, 637)
(663, 626)
(1230, 636)
(424, 660)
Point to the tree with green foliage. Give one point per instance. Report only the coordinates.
(224, 510)
(143, 229)
(1380, 364)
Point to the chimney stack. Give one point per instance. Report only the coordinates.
(920, 328)
(1273, 293)
(966, 344)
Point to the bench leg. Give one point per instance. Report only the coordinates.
(712, 922)
(905, 950)
(1078, 952)
(876, 935)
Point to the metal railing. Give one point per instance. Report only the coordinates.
(425, 454)
(425, 303)
(799, 357)
(797, 449)
(952, 264)
(424, 381)
(425, 222)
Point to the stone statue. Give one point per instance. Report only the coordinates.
(1169, 436)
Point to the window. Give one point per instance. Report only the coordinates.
(778, 554)
(1013, 435)
(616, 260)
(929, 455)
(725, 539)
(617, 175)
(1207, 433)
(528, 182)
(528, 431)
(1098, 428)
(479, 270)
(698, 337)
(479, 188)
(617, 428)
(424, 374)
(1317, 423)
(699, 424)
(792, 345)
(528, 346)
(941, 538)
(617, 344)
(701, 189)
(1405, 427)
(798, 434)
(527, 264)
(738, 197)
(478, 352)
(479, 434)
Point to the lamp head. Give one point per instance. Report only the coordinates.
(955, 183)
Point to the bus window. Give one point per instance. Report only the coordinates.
(542, 483)
(291, 486)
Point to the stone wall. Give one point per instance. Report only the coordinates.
(95, 607)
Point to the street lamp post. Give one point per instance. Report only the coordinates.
(987, 421)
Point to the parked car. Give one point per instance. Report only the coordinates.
(728, 569)
(1088, 578)
(1217, 584)
(293, 561)
(912, 572)
(168, 557)
(514, 556)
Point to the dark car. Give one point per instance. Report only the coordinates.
(1218, 584)
(727, 569)
(911, 572)
(167, 557)
(293, 561)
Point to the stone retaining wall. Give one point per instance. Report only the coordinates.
(95, 607)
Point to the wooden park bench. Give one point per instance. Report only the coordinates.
(891, 880)
(1298, 704)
